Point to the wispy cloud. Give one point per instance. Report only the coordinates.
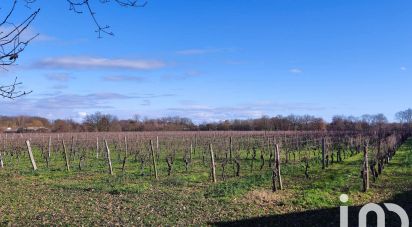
(403, 68)
(121, 78)
(295, 70)
(59, 104)
(40, 37)
(82, 62)
(204, 113)
(201, 113)
(202, 51)
(75, 101)
(27, 34)
(61, 77)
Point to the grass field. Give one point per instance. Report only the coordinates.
(92, 197)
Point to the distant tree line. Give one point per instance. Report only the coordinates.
(99, 122)
(277, 123)
(404, 117)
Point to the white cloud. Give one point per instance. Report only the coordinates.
(61, 77)
(82, 114)
(403, 68)
(82, 62)
(295, 70)
(63, 105)
(27, 34)
(201, 113)
(121, 78)
(40, 37)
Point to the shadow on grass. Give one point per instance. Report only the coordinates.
(327, 217)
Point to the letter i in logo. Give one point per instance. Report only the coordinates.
(344, 211)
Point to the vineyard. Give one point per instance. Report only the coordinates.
(218, 166)
(205, 113)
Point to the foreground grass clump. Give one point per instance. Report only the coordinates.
(93, 197)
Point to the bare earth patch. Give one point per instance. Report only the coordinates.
(279, 202)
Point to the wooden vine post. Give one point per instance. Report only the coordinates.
(213, 166)
(72, 151)
(66, 156)
(153, 158)
(109, 160)
(279, 176)
(194, 150)
(365, 169)
(191, 150)
(1, 161)
(97, 147)
(274, 173)
(4, 149)
(125, 155)
(157, 147)
(49, 148)
(33, 162)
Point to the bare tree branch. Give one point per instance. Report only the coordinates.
(10, 92)
(78, 6)
(11, 45)
(12, 41)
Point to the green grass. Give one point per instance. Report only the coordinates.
(92, 197)
(236, 187)
(327, 186)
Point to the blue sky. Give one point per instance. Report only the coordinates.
(217, 59)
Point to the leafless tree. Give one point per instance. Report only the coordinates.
(11, 45)
(13, 42)
(79, 6)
